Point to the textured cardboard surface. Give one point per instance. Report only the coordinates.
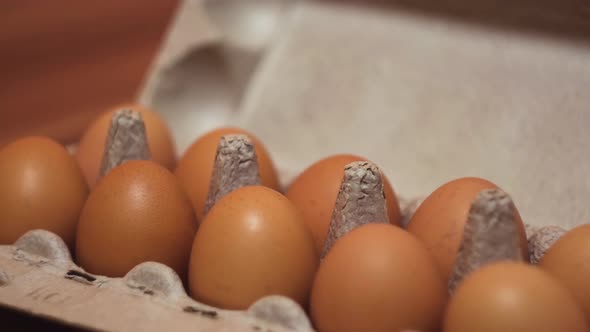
(426, 98)
(430, 100)
(37, 276)
(205, 64)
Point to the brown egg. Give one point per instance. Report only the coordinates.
(439, 220)
(196, 166)
(136, 213)
(91, 146)
(315, 191)
(41, 187)
(569, 261)
(512, 297)
(377, 278)
(252, 243)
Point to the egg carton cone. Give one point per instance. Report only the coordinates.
(38, 276)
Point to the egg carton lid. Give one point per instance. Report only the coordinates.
(429, 98)
(38, 276)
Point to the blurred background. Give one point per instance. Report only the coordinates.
(62, 61)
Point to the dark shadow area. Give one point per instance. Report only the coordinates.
(568, 19)
(13, 320)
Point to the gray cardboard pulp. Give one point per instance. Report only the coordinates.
(428, 99)
(38, 276)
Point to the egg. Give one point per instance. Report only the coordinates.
(41, 187)
(92, 143)
(195, 168)
(252, 243)
(377, 277)
(508, 296)
(315, 191)
(569, 261)
(136, 213)
(439, 221)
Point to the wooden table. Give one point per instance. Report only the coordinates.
(63, 61)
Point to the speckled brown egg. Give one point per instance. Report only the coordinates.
(508, 296)
(92, 144)
(439, 221)
(569, 261)
(315, 191)
(252, 243)
(41, 187)
(196, 165)
(377, 278)
(136, 213)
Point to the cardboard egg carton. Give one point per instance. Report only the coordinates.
(426, 94)
(428, 91)
(38, 276)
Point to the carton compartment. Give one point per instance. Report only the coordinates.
(38, 276)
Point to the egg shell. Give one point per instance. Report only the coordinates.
(376, 278)
(315, 192)
(509, 296)
(195, 167)
(569, 261)
(41, 187)
(252, 243)
(136, 213)
(92, 143)
(440, 220)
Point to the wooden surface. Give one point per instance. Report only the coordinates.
(568, 19)
(62, 61)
